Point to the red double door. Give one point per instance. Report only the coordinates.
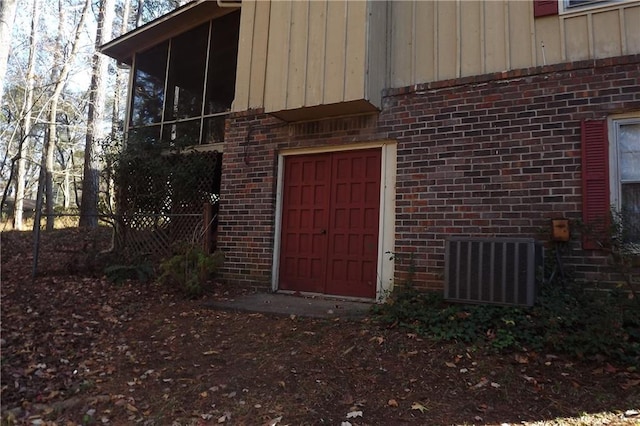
(330, 215)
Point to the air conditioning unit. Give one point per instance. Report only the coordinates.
(500, 271)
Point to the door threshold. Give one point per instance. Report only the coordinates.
(311, 295)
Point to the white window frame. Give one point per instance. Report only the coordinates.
(565, 6)
(614, 123)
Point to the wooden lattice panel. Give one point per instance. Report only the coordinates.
(169, 209)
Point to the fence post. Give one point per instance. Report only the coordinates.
(207, 222)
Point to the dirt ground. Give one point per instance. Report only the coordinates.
(77, 349)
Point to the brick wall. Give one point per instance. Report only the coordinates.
(490, 155)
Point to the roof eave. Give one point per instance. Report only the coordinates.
(176, 22)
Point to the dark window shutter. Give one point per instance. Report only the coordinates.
(595, 183)
(545, 7)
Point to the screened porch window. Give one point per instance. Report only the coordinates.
(183, 88)
(148, 92)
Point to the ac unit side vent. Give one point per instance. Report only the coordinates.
(499, 271)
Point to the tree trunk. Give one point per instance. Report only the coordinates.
(116, 131)
(66, 188)
(51, 139)
(99, 72)
(7, 17)
(139, 13)
(21, 169)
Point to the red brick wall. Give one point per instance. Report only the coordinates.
(490, 155)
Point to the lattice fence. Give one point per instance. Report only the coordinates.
(168, 200)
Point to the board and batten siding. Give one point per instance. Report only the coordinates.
(433, 41)
(296, 54)
(299, 54)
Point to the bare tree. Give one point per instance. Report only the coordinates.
(21, 167)
(7, 15)
(59, 79)
(99, 70)
(148, 10)
(116, 114)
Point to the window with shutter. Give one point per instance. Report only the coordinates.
(625, 177)
(595, 183)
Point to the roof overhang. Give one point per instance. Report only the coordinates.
(358, 106)
(180, 20)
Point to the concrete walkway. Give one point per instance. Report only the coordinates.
(285, 304)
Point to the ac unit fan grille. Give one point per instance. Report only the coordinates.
(492, 270)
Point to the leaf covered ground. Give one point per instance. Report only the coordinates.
(78, 349)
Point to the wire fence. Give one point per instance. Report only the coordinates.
(134, 236)
(164, 200)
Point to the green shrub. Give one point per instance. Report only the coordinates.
(189, 269)
(119, 273)
(588, 323)
(564, 320)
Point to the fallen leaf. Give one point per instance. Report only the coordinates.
(273, 422)
(348, 350)
(52, 395)
(482, 408)
(211, 352)
(450, 364)
(610, 369)
(354, 414)
(630, 383)
(378, 339)
(419, 406)
(131, 408)
(495, 385)
(521, 359)
(347, 399)
(482, 383)
(392, 403)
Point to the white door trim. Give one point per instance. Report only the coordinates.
(386, 222)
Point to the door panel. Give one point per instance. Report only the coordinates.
(353, 223)
(305, 210)
(330, 216)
